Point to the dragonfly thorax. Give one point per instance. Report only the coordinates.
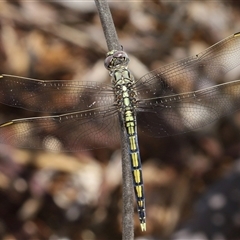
(123, 83)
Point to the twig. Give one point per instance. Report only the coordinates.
(113, 44)
(108, 25)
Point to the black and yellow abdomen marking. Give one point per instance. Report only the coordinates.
(135, 160)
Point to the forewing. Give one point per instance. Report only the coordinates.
(193, 73)
(54, 96)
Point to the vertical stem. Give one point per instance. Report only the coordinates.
(113, 44)
(127, 189)
(108, 25)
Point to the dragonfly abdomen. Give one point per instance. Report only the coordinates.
(136, 167)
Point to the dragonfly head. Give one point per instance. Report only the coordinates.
(116, 59)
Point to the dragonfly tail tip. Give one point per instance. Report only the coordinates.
(143, 227)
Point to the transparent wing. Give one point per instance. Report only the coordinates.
(175, 114)
(95, 128)
(192, 73)
(53, 96)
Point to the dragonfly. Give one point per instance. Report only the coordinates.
(170, 100)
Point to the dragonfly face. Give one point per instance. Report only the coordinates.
(171, 100)
(116, 59)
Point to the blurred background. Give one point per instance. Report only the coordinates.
(192, 181)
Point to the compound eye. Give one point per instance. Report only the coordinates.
(120, 54)
(116, 59)
(108, 61)
(121, 58)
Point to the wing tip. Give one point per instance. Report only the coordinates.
(237, 34)
(6, 124)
